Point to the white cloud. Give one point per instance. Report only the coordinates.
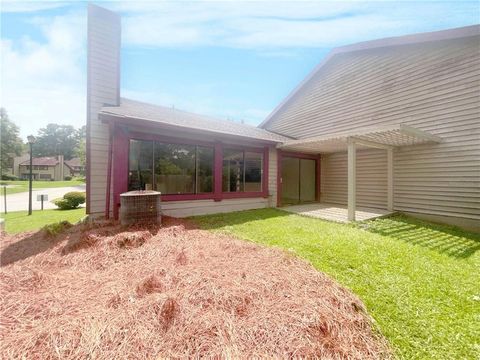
(265, 25)
(29, 6)
(45, 82)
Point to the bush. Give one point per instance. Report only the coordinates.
(67, 178)
(56, 228)
(70, 200)
(9, 177)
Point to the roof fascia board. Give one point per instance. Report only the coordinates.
(467, 31)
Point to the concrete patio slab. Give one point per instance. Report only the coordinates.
(335, 212)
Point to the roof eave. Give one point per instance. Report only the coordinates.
(127, 120)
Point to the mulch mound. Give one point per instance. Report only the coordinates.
(172, 292)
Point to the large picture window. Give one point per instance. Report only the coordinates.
(170, 168)
(242, 171)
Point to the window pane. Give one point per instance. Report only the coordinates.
(253, 171)
(204, 181)
(233, 175)
(174, 168)
(140, 165)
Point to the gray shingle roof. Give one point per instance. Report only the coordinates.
(174, 117)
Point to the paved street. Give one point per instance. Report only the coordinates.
(19, 201)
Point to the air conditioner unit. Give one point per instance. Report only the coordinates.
(142, 206)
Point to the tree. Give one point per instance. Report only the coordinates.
(80, 151)
(11, 143)
(57, 139)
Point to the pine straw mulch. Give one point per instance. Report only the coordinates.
(172, 292)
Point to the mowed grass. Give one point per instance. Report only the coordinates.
(20, 221)
(22, 186)
(419, 281)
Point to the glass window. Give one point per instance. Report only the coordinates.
(242, 171)
(204, 169)
(175, 168)
(233, 171)
(140, 174)
(253, 171)
(170, 168)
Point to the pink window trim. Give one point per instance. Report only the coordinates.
(121, 147)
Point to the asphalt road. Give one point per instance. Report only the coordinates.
(19, 201)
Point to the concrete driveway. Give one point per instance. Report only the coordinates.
(19, 201)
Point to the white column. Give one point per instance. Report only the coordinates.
(390, 179)
(352, 170)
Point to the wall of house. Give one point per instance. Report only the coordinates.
(432, 86)
(51, 171)
(371, 178)
(103, 87)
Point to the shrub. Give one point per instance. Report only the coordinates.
(67, 178)
(70, 200)
(9, 177)
(56, 228)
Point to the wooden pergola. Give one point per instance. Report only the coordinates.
(386, 138)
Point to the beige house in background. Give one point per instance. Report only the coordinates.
(44, 168)
(391, 125)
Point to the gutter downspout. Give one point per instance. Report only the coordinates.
(109, 170)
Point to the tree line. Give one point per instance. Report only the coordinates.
(52, 140)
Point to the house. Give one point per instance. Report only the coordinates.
(53, 168)
(75, 166)
(391, 124)
(43, 168)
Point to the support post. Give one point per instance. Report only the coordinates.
(390, 179)
(352, 172)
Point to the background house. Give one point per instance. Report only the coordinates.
(45, 168)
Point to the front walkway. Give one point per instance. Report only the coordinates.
(335, 212)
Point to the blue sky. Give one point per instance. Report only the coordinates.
(228, 59)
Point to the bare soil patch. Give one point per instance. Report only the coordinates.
(172, 292)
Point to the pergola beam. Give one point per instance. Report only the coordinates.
(372, 144)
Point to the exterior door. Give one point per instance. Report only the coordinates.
(298, 180)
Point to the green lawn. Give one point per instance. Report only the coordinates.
(22, 186)
(20, 221)
(419, 281)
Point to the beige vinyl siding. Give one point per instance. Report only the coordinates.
(432, 86)
(103, 88)
(371, 178)
(205, 207)
(272, 176)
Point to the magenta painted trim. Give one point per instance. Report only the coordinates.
(265, 177)
(111, 129)
(121, 147)
(218, 171)
(183, 197)
(239, 195)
